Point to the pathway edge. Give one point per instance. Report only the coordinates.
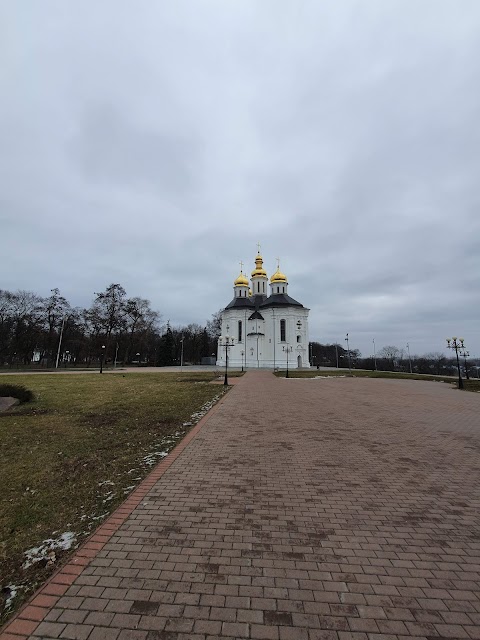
(34, 610)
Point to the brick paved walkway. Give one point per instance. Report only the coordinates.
(334, 509)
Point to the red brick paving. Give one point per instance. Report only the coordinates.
(333, 509)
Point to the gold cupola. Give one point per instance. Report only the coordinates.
(241, 281)
(259, 270)
(278, 276)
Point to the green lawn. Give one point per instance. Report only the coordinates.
(71, 456)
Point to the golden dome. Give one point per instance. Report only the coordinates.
(278, 276)
(259, 270)
(241, 281)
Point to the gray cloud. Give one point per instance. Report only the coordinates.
(155, 146)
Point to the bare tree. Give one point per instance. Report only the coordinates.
(391, 354)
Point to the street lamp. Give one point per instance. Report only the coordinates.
(374, 355)
(287, 350)
(138, 359)
(456, 344)
(242, 354)
(348, 351)
(227, 342)
(465, 355)
(102, 355)
(409, 358)
(66, 358)
(181, 354)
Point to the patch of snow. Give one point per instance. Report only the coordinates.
(152, 458)
(12, 590)
(109, 482)
(46, 550)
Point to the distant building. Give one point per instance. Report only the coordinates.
(267, 326)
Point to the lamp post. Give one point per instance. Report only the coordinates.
(181, 354)
(409, 358)
(102, 355)
(348, 352)
(465, 355)
(138, 359)
(374, 355)
(227, 342)
(242, 354)
(66, 358)
(60, 342)
(456, 344)
(287, 350)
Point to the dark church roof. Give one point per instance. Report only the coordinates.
(280, 300)
(261, 301)
(243, 303)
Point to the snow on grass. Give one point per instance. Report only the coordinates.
(11, 591)
(46, 550)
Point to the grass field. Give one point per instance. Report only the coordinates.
(362, 373)
(469, 385)
(71, 456)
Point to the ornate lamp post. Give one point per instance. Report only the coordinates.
(227, 342)
(457, 344)
(465, 355)
(242, 354)
(102, 355)
(287, 350)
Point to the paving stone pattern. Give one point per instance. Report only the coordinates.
(331, 509)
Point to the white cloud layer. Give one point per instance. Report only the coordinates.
(154, 144)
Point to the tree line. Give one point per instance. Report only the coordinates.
(388, 358)
(115, 328)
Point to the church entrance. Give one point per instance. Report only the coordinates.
(299, 362)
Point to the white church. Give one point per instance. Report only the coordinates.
(268, 328)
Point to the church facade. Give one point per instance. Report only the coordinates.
(267, 326)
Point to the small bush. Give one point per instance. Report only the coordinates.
(16, 391)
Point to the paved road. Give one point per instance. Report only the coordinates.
(328, 509)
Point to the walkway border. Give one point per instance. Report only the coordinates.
(33, 612)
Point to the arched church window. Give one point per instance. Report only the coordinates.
(298, 338)
(239, 331)
(263, 287)
(283, 330)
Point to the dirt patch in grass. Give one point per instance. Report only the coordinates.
(74, 454)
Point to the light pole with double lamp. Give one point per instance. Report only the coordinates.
(287, 350)
(409, 358)
(456, 344)
(227, 342)
(348, 352)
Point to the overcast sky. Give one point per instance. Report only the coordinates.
(154, 144)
